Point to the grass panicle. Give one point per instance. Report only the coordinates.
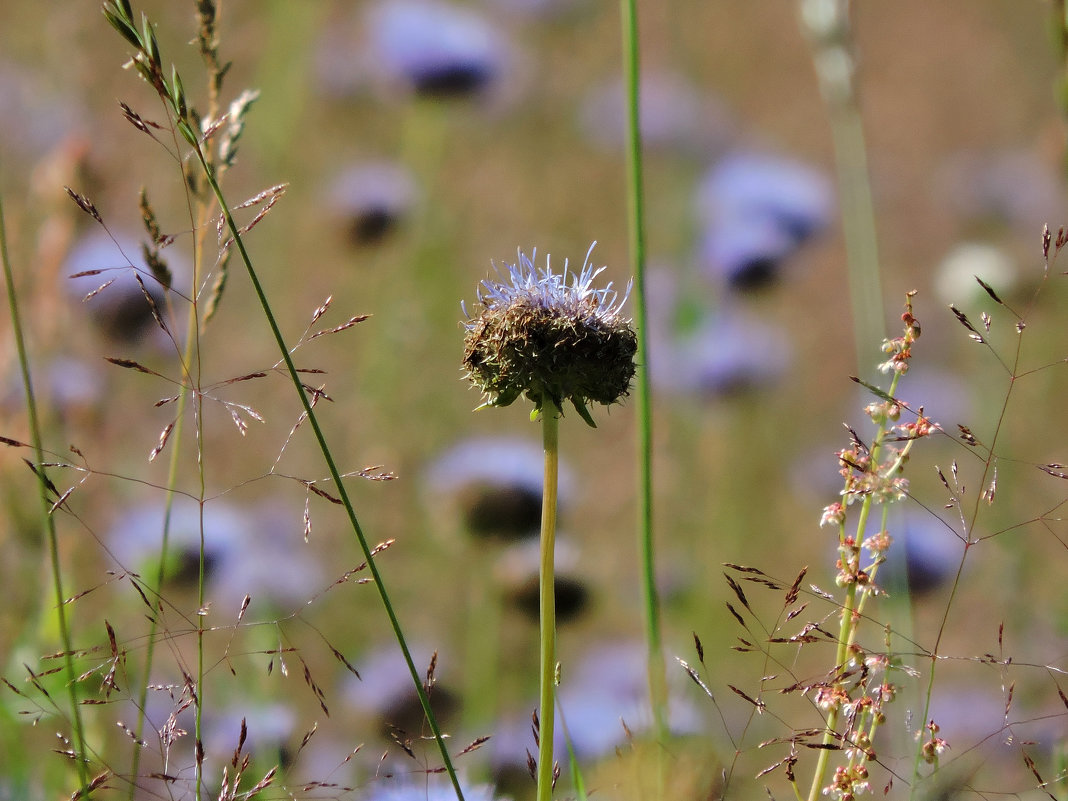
(149, 64)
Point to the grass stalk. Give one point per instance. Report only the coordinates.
(989, 466)
(858, 228)
(198, 707)
(189, 384)
(168, 506)
(47, 519)
(550, 428)
(328, 457)
(149, 65)
(150, 648)
(643, 393)
(828, 27)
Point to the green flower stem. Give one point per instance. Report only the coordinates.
(80, 748)
(636, 219)
(550, 431)
(328, 457)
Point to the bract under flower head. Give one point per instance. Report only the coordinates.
(550, 336)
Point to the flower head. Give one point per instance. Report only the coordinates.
(756, 210)
(550, 336)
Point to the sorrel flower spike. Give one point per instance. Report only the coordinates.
(549, 336)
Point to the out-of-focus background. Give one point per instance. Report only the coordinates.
(423, 142)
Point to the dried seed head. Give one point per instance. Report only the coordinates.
(551, 337)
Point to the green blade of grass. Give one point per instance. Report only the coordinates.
(657, 671)
(47, 518)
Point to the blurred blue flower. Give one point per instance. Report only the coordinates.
(425, 787)
(601, 697)
(372, 199)
(944, 395)
(968, 716)
(270, 728)
(245, 552)
(537, 9)
(436, 48)
(518, 573)
(796, 195)
(73, 384)
(673, 114)
(34, 117)
(496, 484)
(276, 567)
(925, 554)
(729, 353)
(609, 685)
(1007, 187)
(135, 538)
(112, 296)
(756, 210)
(385, 691)
(68, 386)
(745, 252)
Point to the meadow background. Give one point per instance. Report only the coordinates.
(966, 144)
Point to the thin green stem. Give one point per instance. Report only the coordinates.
(190, 354)
(47, 517)
(972, 521)
(331, 465)
(636, 227)
(198, 707)
(150, 649)
(550, 428)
